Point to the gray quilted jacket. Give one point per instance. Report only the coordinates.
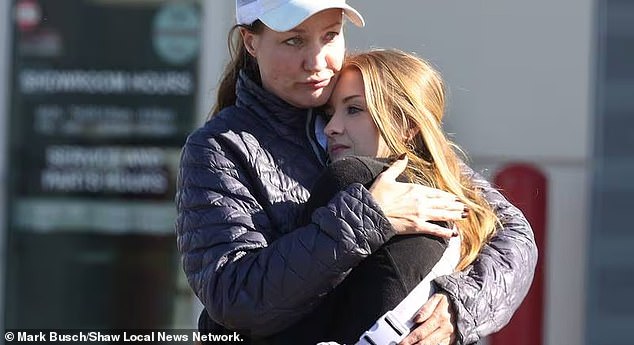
(243, 177)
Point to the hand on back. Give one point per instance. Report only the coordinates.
(411, 207)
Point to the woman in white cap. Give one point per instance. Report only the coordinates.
(246, 172)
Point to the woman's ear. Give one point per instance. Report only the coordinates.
(249, 39)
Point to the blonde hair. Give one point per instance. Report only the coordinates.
(405, 96)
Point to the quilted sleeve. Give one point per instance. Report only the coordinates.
(244, 281)
(487, 293)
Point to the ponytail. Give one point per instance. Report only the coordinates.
(240, 60)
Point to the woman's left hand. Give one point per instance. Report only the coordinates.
(436, 323)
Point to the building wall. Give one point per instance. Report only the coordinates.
(218, 20)
(515, 69)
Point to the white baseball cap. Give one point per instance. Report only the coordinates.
(283, 15)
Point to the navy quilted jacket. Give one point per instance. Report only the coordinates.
(243, 177)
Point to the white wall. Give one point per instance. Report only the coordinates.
(519, 79)
(218, 18)
(517, 70)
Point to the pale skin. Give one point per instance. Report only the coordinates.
(300, 66)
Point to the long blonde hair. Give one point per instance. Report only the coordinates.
(405, 96)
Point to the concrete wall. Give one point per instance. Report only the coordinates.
(218, 18)
(517, 70)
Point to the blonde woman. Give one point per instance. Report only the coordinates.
(388, 103)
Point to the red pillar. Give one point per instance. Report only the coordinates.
(525, 186)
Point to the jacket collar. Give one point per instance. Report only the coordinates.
(267, 105)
